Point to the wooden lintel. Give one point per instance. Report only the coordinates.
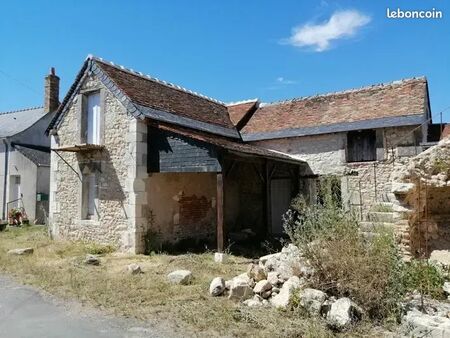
(219, 207)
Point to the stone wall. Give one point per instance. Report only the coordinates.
(121, 176)
(422, 190)
(181, 206)
(364, 184)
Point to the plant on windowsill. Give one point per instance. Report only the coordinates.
(15, 217)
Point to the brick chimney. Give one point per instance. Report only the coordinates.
(51, 96)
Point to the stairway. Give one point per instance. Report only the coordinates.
(384, 216)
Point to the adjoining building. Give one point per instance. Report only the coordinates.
(25, 157)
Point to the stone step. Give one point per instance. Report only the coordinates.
(372, 226)
(385, 217)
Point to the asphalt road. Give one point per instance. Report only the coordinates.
(28, 313)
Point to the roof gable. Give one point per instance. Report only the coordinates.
(144, 96)
(387, 102)
(240, 112)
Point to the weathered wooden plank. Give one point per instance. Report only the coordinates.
(219, 207)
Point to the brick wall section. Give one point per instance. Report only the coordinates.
(181, 206)
(121, 181)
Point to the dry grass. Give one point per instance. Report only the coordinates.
(57, 267)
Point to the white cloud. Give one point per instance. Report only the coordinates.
(342, 24)
(282, 80)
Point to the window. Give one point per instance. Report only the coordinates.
(361, 146)
(89, 189)
(91, 118)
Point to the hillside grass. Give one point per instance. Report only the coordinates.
(57, 267)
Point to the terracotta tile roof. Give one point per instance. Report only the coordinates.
(153, 93)
(239, 110)
(399, 98)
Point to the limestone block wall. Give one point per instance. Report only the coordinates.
(364, 184)
(422, 190)
(325, 154)
(121, 176)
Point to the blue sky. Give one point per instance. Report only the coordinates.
(230, 50)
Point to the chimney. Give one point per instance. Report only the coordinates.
(51, 96)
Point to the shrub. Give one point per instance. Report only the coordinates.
(425, 278)
(367, 269)
(99, 249)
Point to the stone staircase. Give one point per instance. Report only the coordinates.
(387, 215)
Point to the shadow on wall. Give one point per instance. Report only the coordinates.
(109, 185)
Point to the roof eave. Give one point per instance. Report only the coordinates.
(406, 120)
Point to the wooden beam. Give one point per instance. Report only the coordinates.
(267, 195)
(219, 206)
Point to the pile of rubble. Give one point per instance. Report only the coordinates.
(279, 277)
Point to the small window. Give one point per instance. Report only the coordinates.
(361, 146)
(91, 118)
(89, 189)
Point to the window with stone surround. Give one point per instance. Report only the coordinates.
(361, 146)
(91, 118)
(88, 196)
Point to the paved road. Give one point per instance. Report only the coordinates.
(28, 313)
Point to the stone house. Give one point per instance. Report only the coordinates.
(25, 156)
(140, 162)
(360, 135)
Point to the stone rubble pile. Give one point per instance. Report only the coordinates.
(280, 278)
(275, 280)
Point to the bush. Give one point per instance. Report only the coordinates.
(99, 249)
(368, 270)
(420, 276)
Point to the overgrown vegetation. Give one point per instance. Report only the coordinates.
(441, 165)
(367, 269)
(57, 267)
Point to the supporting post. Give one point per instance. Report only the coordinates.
(219, 206)
(267, 180)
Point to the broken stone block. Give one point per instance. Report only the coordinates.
(183, 277)
(256, 272)
(134, 269)
(312, 300)
(21, 252)
(343, 313)
(220, 257)
(240, 290)
(217, 287)
(92, 260)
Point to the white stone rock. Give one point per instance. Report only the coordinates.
(417, 324)
(256, 272)
(183, 277)
(256, 301)
(440, 258)
(446, 288)
(283, 299)
(134, 269)
(312, 300)
(21, 252)
(220, 257)
(217, 287)
(265, 258)
(343, 313)
(273, 279)
(401, 188)
(262, 286)
(92, 260)
(244, 277)
(240, 290)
